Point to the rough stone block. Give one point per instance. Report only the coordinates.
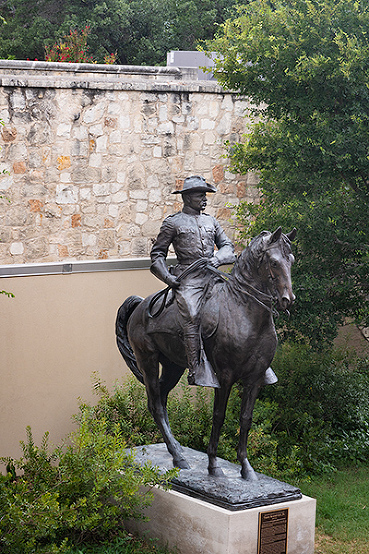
(76, 220)
(63, 162)
(35, 205)
(9, 134)
(63, 250)
(65, 195)
(218, 173)
(16, 248)
(19, 167)
(89, 239)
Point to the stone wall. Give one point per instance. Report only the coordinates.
(91, 154)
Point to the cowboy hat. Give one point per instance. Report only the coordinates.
(195, 184)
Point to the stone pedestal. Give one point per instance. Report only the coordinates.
(196, 526)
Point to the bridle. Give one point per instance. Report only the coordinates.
(267, 301)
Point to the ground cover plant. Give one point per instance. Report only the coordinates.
(342, 510)
(127, 544)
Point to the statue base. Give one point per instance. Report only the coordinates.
(223, 515)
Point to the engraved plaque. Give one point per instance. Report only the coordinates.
(273, 532)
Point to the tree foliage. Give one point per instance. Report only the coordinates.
(303, 63)
(140, 31)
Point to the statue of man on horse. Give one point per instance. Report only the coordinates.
(225, 337)
(194, 235)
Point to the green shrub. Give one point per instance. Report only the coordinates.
(81, 492)
(323, 407)
(315, 418)
(190, 414)
(125, 409)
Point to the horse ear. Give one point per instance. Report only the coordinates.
(292, 235)
(276, 235)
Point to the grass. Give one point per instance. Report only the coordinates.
(123, 545)
(342, 524)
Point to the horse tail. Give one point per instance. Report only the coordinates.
(123, 315)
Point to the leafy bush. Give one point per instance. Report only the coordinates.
(126, 409)
(190, 413)
(315, 418)
(323, 407)
(72, 48)
(79, 493)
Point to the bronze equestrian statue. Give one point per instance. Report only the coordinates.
(234, 315)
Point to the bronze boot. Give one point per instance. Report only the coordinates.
(200, 371)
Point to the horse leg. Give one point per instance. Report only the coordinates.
(149, 365)
(220, 406)
(170, 375)
(249, 396)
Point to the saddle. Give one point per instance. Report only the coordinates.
(162, 315)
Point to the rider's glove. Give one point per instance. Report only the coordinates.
(214, 261)
(172, 281)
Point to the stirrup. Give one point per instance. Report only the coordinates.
(203, 376)
(270, 377)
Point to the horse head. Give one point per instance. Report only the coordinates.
(266, 264)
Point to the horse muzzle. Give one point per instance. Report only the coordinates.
(286, 301)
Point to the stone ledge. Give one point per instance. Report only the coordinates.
(27, 65)
(40, 74)
(75, 266)
(92, 83)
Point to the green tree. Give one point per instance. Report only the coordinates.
(303, 63)
(108, 22)
(158, 27)
(33, 24)
(27, 26)
(140, 31)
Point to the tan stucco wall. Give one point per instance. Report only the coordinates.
(54, 334)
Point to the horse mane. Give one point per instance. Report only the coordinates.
(251, 256)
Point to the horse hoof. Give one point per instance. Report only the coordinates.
(181, 464)
(216, 472)
(249, 475)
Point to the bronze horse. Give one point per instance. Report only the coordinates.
(238, 334)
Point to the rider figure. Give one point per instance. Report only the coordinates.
(193, 235)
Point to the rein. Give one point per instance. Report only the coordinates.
(164, 293)
(252, 292)
(268, 298)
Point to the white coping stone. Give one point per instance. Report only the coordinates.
(197, 527)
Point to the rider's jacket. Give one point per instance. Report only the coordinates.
(193, 237)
